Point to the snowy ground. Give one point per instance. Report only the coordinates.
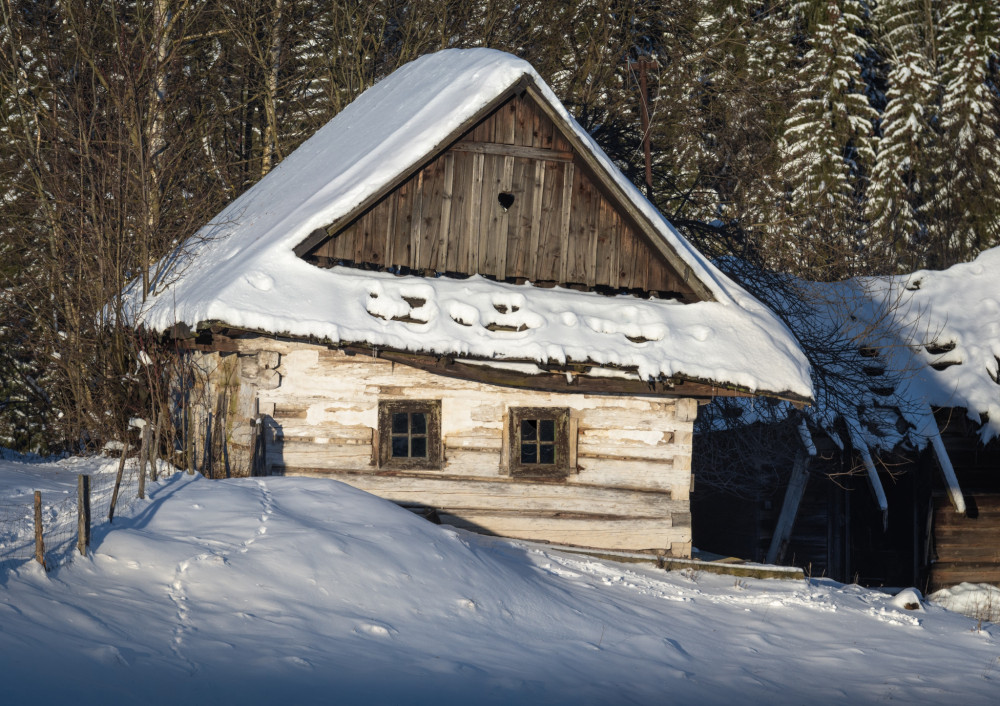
(301, 590)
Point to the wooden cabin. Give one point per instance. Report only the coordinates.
(451, 298)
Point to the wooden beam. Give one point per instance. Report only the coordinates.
(513, 151)
(553, 381)
(789, 508)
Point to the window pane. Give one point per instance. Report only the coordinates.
(418, 447)
(547, 430)
(529, 431)
(400, 423)
(399, 446)
(418, 423)
(546, 453)
(529, 453)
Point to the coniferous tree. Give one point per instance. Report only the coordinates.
(827, 146)
(963, 213)
(897, 192)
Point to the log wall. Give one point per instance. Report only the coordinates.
(965, 545)
(629, 489)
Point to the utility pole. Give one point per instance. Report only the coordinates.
(642, 63)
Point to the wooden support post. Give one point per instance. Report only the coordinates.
(39, 541)
(143, 456)
(189, 439)
(155, 450)
(263, 446)
(83, 513)
(789, 508)
(118, 482)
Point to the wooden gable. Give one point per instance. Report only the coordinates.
(512, 199)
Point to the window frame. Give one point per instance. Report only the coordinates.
(561, 467)
(432, 408)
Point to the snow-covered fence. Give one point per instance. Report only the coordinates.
(58, 485)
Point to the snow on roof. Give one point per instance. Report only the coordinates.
(930, 339)
(240, 269)
(951, 321)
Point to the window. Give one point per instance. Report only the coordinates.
(409, 433)
(538, 441)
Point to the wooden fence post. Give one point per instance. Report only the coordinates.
(83, 513)
(39, 541)
(155, 451)
(143, 454)
(118, 482)
(189, 438)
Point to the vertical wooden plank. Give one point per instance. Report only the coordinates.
(660, 276)
(503, 226)
(523, 122)
(519, 217)
(548, 263)
(472, 241)
(386, 224)
(483, 132)
(403, 227)
(542, 128)
(460, 227)
(491, 217)
(537, 194)
(430, 216)
(593, 217)
(504, 126)
(608, 245)
(417, 221)
(582, 241)
(564, 221)
(446, 203)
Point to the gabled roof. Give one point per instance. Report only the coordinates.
(242, 268)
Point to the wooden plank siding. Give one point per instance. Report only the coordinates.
(629, 487)
(966, 547)
(560, 228)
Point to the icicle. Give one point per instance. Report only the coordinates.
(933, 434)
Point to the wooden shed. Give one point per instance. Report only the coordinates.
(895, 482)
(451, 298)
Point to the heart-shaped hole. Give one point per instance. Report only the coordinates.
(505, 200)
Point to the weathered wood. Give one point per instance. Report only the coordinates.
(565, 213)
(143, 457)
(317, 237)
(534, 237)
(502, 150)
(154, 472)
(603, 532)
(82, 513)
(617, 195)
(39, 538)
(118, 482)
(789, 508)
(631, 462)
(451, 491)
(447, 197)
(580, 240)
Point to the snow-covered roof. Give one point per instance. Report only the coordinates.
(241, 268)
(951, 321)
(897, 348)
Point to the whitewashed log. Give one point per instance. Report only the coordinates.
(632, 535)
(492, 495)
